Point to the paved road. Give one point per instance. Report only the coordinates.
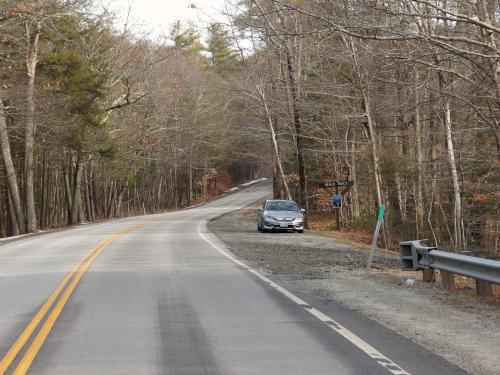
(159, 295)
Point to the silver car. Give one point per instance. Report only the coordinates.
(280, 215)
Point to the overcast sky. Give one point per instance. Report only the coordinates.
(158, 15)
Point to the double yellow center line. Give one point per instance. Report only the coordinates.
(73, 277)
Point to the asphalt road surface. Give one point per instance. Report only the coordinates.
(160, 295)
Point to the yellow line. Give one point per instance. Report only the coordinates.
(30, 328)
(25, 335)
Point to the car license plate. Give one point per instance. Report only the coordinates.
(283, 225)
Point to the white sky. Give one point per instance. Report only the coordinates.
(158, 15)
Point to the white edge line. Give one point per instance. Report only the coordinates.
(381, 359)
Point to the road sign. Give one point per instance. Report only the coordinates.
(330, 184)
(337, 201)
(337, 198)
(344, 183)
(335, 184)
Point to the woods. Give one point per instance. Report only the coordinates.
(402, 97)
(101, 122)
(399, 96)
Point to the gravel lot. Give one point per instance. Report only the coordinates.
(463, 329)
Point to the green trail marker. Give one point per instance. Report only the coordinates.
(381, 212)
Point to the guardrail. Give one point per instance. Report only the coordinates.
(415, 255)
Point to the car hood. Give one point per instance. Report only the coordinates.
(283, 214)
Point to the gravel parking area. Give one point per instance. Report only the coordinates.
(463, 329)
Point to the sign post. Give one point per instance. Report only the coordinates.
(337, 211)
(380, 218)
(338, 197)
(337, 206)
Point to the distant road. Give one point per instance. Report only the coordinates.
(159, 294)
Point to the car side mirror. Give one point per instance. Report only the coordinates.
(302, 210)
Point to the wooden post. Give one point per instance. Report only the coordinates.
(428, 275)
(483, 288)
(447, 280)
(337, 210)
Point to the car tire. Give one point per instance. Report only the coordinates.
(300, 231)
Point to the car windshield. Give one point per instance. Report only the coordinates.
(282, 206)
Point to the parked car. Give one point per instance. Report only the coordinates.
(282, 215)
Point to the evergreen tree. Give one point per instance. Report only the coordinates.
(77, 73)
(186, 38)
(222, 53)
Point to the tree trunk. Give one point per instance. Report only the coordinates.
(190, 184)
(370, 127)
(401, 198)
(111, 200)
(3, 217)
(45, 193)
(159, 205)
(491, 40)
(119, 201)
(374, 150)
(29, 133)
(93, 193)
(277, 193)
(176, 182)
(55, 201)
(274, 141)
(90, 216)
(458, 226)
(435, 146)
(419, 199)
(297, 123)
(14, 227)
(105, 203)
(68, 191)
(372, 139)
(10, 172)
(76, 201)
(354, 177)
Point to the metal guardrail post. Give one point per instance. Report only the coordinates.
(415, 255)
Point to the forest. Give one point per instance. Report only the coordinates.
(100, 122)
(402, 97)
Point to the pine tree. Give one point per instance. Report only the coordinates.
(186, 38)
(222, 53)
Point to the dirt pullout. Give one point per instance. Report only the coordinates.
(463, 329)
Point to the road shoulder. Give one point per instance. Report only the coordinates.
(462, 329)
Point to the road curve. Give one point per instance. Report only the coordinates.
(159, 295)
